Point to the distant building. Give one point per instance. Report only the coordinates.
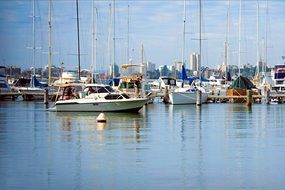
(172, 70)
(163, 70)
(13, 71)
(55, 71)
(178, 66)
(150, 66)
(116, 67)
(194, 61)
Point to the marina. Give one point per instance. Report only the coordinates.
(142, 95)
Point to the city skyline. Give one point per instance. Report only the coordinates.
(155, 24)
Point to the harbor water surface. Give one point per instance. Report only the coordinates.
(217, 146)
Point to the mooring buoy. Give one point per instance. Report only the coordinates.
(101, 118)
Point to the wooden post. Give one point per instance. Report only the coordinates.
(259, 93)
(46, 96)
(166, 95)
(249, 98)
(198, 98)
(267, 96)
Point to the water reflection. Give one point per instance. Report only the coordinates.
(87, 121)
(217, 146)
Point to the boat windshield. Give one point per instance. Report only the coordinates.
(113, 96)
(109, 89)
(100, 89)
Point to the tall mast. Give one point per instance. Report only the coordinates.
(239, 39)
(94, 37)
(49, 42)
(109, 38)
(34, 40)
(128, 42)
(200, 41)
(226, 61)
(142, 65)
(257, 37)
(78, 42)
(266, 39)
(183, 42)
(114, 44)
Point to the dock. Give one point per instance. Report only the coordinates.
(256, 98)
(27, 96)
(9, 95)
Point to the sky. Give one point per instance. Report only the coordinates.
(155, 25)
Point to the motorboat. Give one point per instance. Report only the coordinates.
(68, 76)
(4, 86)
(278, 78)
(97, 98)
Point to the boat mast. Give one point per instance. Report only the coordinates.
(239, 39)
(200, 41)
(78, 42)
(34, 40)
(266, 39)
(226, 61)
(49, 42)
(142, 65)
(94, 37)
(183, 42)
(114, 44)
(128, 41)
(257, 37)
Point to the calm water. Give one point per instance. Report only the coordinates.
(221, 146)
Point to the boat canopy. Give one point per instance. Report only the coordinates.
(190, 79)
(242, 83)
(36, 83)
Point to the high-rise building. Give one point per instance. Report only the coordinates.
(194, 61)
(150, 66)
(163, 70)
(178, 66)
(116, 73)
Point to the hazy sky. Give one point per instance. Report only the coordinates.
(158, 25)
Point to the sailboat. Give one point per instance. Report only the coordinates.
(188, 95)
(239, 86)
(31, 88)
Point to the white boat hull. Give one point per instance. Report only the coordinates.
(186, 97)
(92, 105)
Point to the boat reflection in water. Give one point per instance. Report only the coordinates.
(216, 146)
(86, 122)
